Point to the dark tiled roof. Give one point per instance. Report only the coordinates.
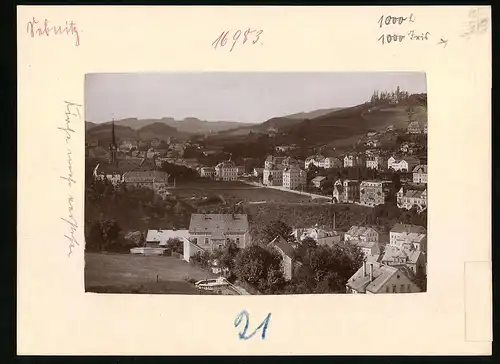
(284, 246)
(407, 228)
(218, 224)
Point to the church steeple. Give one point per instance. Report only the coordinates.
(112, 146)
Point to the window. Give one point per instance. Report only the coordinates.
(393, 288)
(402, 288)
(206, 240)
(237, 240)
(409, 288)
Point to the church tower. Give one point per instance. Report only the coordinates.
(112, 146)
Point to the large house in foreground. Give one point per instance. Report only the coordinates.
(375, 278)
(226, 171)
(407, 199)
(213, 231)
(372, 193)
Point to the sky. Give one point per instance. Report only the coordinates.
(229, 96)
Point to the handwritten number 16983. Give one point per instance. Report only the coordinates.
(248, 35)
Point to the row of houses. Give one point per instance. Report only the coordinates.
(404, 254)
(373, 160)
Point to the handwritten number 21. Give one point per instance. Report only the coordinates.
(244, 316)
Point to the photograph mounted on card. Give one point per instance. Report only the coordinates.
(299, 183)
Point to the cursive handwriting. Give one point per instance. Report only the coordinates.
(395, 20)
(72, 111)
(243, 334)
(35, 28)
(249, 34)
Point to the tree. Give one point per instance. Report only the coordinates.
(260, 267)
(276, 228)
(176, 245)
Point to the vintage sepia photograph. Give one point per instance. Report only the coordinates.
(255, 183)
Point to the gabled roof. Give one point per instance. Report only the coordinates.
(408, 228)
(218, 224)
(318, 179)
(285, 247)
(381, 274)
(421, 168)
(164, 235)
(152, 176)
(360, 230)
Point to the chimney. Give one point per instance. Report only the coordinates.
(371, 272)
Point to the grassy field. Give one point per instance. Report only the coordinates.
(126, 273)
(235, 192)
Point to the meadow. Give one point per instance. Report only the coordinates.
(127, 273)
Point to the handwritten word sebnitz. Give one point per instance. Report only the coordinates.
(395, 20)
(250, 35)
(72, 111)
(35, 29)
(398, 38)
(243, 334)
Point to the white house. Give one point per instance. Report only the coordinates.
(160, 237)
(294, 177)
(361, 233)
(353, 160)
(226, 171)
(404, 164)
(207, 172)
(420, 174)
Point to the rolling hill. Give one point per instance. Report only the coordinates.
(188, 125)
(102, 133)
(158, 130)
(313, 114)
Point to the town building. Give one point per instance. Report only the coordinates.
(414, 259)
(214, 231)
(361, 233)
(408, 199)
(375, 278)
(154, 180)
(346, 191)
(408, 235)
(415, 128)
(354, 160)
(318, 181)
(226, 171)
(257, 172)
(370, 249)
(240, 170)
(425, 128)
(272, 177)
(160, 237)
(322, 162)
(155, 143)
(322, 236)
(288, 256)
(373, 193)
(294, 177)
(404, 164)
(127, 146)
(420, 174)
(376, 161)
(207, 172)
(273, 162)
